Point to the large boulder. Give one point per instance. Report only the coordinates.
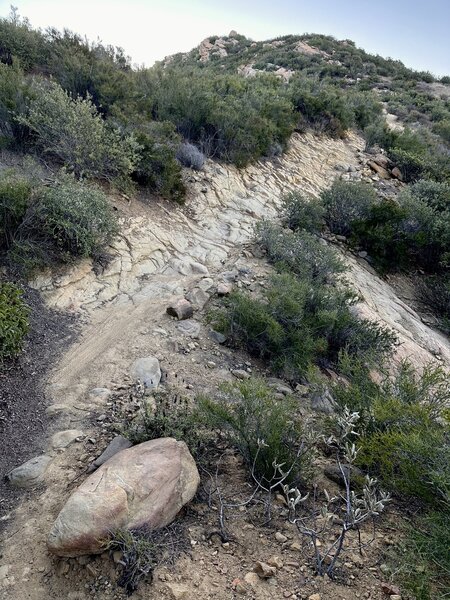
(145, 485)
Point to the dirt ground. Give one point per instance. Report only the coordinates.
(23, 421)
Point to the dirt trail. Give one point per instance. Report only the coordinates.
(163, 252)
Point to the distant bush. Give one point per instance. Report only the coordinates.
(14, 90)
(248, 413)
(345, 203)
(303, 212)
(190, 156)
(407, 231)
(14, 323)
(72, 131)
(68, 220)
(226, 116)
(157, 167)
(321, 105)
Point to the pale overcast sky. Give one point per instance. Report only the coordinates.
(413, 31)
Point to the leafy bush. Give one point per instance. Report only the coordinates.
(303, 212)
(227, 116)
(190, 156)
(172, 416)
(157, 167)
(407, 230)
(14, 323)
(263, 428)
(434, 292)
(15, 195)
(14, 90)
(299, 252)
(321, 105)
(72, 131)
(298, 323)
(404, 436)
(70, 219)
(346, 202)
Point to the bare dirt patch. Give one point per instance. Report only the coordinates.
(23, 422)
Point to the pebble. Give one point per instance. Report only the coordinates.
(280, 537)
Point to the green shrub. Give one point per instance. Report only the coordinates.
(226, 116)
(421, 560)
(404, 432)
(264, 429)
(321, 105)
(299, 252)
(171, 416)
(346, 202)
(298, 323)
(407, 231)
(434, 292)
(68, 220)
(433, 193)
(14, 323)
(15, 195)
(14, 91)
(72, 131)
(303, 212)
(157, 167)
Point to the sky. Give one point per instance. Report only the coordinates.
(414, 31)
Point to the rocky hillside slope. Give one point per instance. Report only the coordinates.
(165, 253)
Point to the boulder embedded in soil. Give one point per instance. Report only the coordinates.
(30, 473)
(142, 486)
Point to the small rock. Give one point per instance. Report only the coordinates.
(178, 591)
(63, 439)
(147, 371)
(240, 374)
(275, 561)
(252, 579)
(314, 597)
(280, 537)
(362, 254)
(397, 173)
(296, 546)
(197, 267)
(390, 589)
(30, 472)
(100, 393)
(223, 289)
(189, 327)
(181, 309)
(395, 597)
(264, 571)
(116, 445)
(218, 337)
(198, 298)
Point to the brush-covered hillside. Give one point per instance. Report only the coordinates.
(245, 247)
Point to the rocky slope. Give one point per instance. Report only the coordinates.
(165, 252)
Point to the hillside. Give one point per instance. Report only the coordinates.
(245, 248)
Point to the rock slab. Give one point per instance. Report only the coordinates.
(142, 486)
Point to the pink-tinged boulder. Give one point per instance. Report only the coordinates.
(145, 485)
